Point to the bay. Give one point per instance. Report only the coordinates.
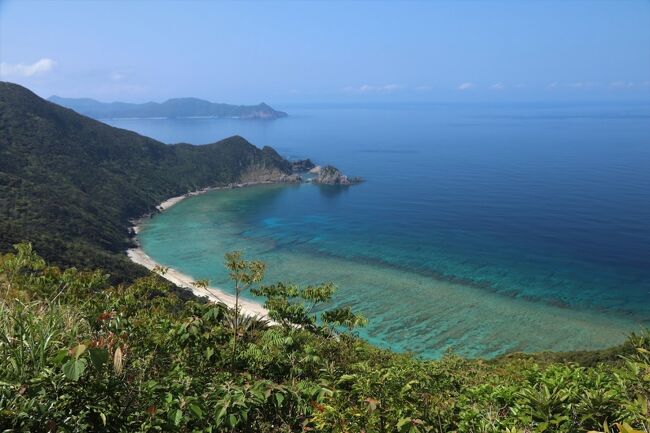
(485, 228)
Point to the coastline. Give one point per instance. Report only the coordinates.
(214, 294)
(491, 324)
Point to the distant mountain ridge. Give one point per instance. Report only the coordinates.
(172, 108)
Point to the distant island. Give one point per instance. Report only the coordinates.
(172, 108)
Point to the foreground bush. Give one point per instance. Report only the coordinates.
(79, 356)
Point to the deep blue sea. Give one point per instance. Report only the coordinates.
(482, 228)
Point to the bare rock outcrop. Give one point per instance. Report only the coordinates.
(262, 174)
(330, 175)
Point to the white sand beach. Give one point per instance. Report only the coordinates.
(214, 294)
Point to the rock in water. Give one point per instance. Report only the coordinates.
(330, 175)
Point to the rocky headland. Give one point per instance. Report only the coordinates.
(330, 175)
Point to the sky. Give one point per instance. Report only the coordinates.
(248, 52)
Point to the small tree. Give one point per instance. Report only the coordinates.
(300, 311)
(292, 306)
(244, 273)
(344, 317)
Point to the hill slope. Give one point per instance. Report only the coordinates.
(180, 107)
(70, 184)
(82, 357)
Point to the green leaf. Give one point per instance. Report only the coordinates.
(74, 368)
(258, 394)
(402, 422)
(279, 398)
(98, 356)
(60, 356)
(232, 420)
(196, 410)
(347, 379)
(176, 416)
(221, 414)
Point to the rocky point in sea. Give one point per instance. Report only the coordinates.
(330, 175)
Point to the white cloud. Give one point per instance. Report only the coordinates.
(20, 70)
(466, 86)
(573, 85)
(621, 84)
(390, 88)
(583, 84)
(367, 88)
(497, 86)
(116, 76)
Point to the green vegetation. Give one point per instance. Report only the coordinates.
(79, 355)
(70, 185)
(82, 351)
(180, 107)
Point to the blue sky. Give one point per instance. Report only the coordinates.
(247, 52)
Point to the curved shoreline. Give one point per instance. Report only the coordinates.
(214, 294)
(501, 320)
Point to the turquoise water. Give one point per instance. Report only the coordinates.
(482, 228)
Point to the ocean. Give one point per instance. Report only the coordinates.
(480, 228)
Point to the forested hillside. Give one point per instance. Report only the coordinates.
(70, 184)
